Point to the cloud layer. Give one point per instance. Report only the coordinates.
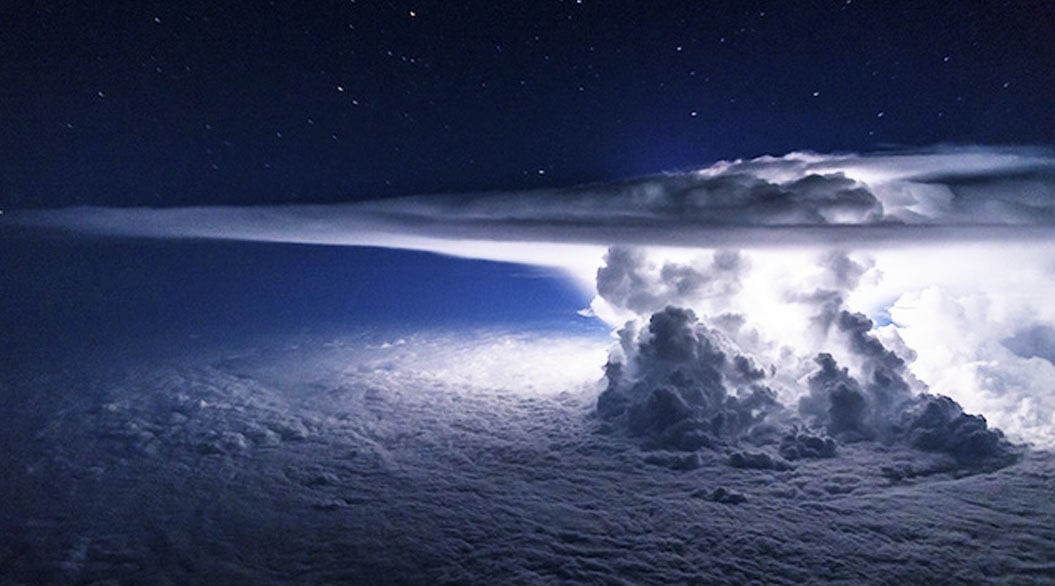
(981, 341)
(313, 459)
(941, 194)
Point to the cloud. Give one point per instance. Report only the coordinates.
(1037, 341)
(800, 198)
(347, 461)
(940, 194)
(938, 424)
(631, 282)
(884, 407)
(679, 384)
(786, 381)
(757, 460)
(986, 345)
(775, 254)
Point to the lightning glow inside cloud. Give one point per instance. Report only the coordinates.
(916, 272)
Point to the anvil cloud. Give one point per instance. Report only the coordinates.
(940, 194)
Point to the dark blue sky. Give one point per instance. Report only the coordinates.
(175, 103)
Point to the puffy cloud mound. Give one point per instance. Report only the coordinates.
(846, 408)
(837, 403)
(628, 280)
(802, 443)
(684, 386)
(680, 385)
(850, 411)
(882, 405)
(757, 461)
(938, 424)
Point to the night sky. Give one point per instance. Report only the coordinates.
(705, 366)
(168, 104)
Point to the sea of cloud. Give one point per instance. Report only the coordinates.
(369, 458)
(816, 358)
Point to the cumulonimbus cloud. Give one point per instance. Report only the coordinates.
(681, 381)
(891, 203)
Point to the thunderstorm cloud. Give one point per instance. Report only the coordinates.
(810, 356)
(837, 292)
(941, 194)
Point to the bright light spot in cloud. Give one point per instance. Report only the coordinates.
(515, 363)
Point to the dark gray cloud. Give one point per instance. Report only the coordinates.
(800, 442)
(938, 424)
(882, 406)
(850, 409)
(757, 461)
(684, 386)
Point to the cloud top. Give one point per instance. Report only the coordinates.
(937, 194)
(940, 193)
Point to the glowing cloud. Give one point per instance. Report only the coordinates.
(950, 255)
(963, 194)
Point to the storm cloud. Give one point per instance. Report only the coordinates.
(679, 384)
(684, 386)
(846, 386)
(775, 316)
(938, 194)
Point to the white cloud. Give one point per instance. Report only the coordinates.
(947, 312)
(960, 354)
(955, 245)
(306, 459)
(942, 194)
